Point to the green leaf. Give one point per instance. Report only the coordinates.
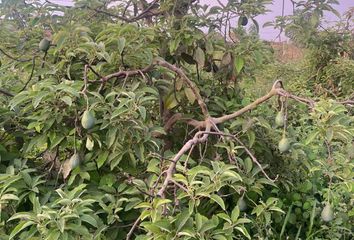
(329, 134)
(57, 140)
(164, 225)
(199, 221)
(89, 219)
(219, 237)
(248, 164)
(311, 137)
(54, 234)
(244, 231)
(120, 110)
(102, 159)
(258, 210)
(121, 44)
(22, 225)
(111, 136)
(142, 111)
(218, 200)
(190, 95)
(37, 100)
(243, 221)
(89, 143)
(225, 217)
(235, 213)
(9, 196)
(239, 63)
(161, 201)
(68, 100)
(199, 57)
(182, 218)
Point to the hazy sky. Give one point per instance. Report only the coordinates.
(275, 10)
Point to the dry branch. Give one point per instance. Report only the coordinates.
(190, 84)
(199, 137)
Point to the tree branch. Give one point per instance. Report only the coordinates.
(251, 106)
(131, 231)
(14, 58)
(190, 84)
(6, 93)
(130, 73)
(146, 11)
(199, 137)
(31, 75)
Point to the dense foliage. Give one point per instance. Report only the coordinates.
(164, 120)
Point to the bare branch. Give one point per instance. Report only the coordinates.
(146, 12)
(254, 159)
(6, 93)
(130, 73)
(199, 137)
(84, 90)
(245, 109)
(190, 84)
(131, 231)
(14, 58)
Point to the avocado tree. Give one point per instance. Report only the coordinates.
(139, 120)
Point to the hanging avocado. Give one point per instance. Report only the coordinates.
(284, 145)
(44, 45)
(243, 20)
(279, 119)
(327, 213)
(241, 203)
(75, 160)
(87, 120)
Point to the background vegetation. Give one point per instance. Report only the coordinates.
(173, 120)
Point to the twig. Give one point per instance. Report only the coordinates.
(6, 93)
(180, 186)
(31, 75)
(134, 19)
(14, 58)
(94, 71)
(169, 172)
(190, 84)
(85, 79)
(260, 100)
(131, 231)
(254, 159)
(130, 73)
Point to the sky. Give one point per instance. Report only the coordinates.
(275, 10)
(269, 33)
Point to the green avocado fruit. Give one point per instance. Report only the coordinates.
(242, 204)
(87, 120)
(279, 119)
(44, 45)
(75, 160)
(284, 145)
(243, 20)
(327, 213)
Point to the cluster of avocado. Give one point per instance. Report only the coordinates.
(87, 122)
(284, 143)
